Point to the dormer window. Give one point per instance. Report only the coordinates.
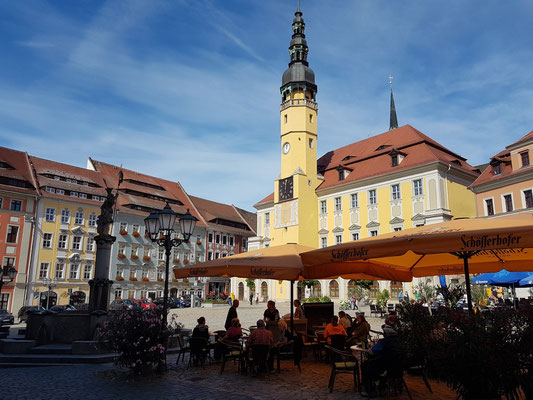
(525, 158)
(341, 174)
(456, 162)
(497, 169)
(394, 160)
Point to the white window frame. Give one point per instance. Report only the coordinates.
(62, 244)
(372, 231)
(79, 218)
(323, 207)
(18, 202)
(418, 188)
(47, 243)
(43, 267)
(89, 245)
(77, 244)
(354, 200)
(50, 214)
(355, 236)
(486, 208)
(17, 235)
(65, 216)
(338, 239)
(504, 204)
(60, 276)
(372, 197)
(92, 220)
(87, 271)
(323, 242)
(74, 267)
(523, 195)
(338, 203)
(396, 193)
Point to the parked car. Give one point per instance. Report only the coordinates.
(24, 311)
(120, 304)
(185, 301)
(173, 302)
(146, 304)
(67, 307)
(6, 318)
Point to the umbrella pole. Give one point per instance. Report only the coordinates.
(467, 281)
(292, 308)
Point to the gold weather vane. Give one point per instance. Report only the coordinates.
(390, 77)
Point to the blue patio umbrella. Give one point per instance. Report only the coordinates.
(501, 278)
(526, 282)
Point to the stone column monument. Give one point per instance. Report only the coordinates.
(101, 284)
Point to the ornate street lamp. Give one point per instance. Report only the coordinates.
(160, 227)
(8, 273)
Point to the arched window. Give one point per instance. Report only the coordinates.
(317, 290)
(264, 290)
(395, 288)
(333, 289)
(351, 287)
(373, 293)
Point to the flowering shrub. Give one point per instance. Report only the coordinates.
(176, 260)
(137, 337)
(121, 255)
(123, 232)
(185, 261)
(134, 257)
(136, 234)
(146, 258)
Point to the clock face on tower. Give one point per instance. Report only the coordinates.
(285, 189)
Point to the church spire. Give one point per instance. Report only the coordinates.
(393, 118)
(299, 75)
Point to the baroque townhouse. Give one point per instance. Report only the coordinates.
(392, 181)
(228, 230)
(18, 199)
(506, 185)
(137, 264)
(65, 227)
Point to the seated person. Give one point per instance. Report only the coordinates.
(201, 330)
(361, 329)
(284, 333)
(271, 313)
(260, 335)
(298, 310)
(333, 328)
(234, 332)
(344, 321)
(383, 356)
(392, 319)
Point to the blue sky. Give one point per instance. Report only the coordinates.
(188, 90)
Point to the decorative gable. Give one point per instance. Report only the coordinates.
(338, 229)
(372, 224)
(396, 220)
(78, 231)
(354, 227)
(323, 232)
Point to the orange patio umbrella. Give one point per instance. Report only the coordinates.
(454, 247)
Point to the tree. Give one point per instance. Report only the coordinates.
(382, 298)
(358, 292)
(310, 283)
(250, 283)
(364, 283)
(425, 291)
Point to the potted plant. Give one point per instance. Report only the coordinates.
(119, 278)
(176, 261)
(199, 242)
(134, 257)
(133, 279)
(185, 280)
(185, 261)
(146, 235)
(173, 280)
(146, 258)
(121, 255)
(123, 232)
(145, 279)
(136, 234)
(161, 280)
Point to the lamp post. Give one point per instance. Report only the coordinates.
(160, 227)
(49, 283)
(8, 272)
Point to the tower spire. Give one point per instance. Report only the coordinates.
(393, 118)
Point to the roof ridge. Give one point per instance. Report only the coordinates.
(242, 218)
(192, 203)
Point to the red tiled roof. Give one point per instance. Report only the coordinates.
(370, 157)
(211, 210)
(170, 190)
(21, 170)
(43, 166)
(266, 200)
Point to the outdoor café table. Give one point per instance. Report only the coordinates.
(359, 350)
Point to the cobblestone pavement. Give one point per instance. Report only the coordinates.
(106, 382)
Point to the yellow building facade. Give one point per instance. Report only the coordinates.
(65, 226)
